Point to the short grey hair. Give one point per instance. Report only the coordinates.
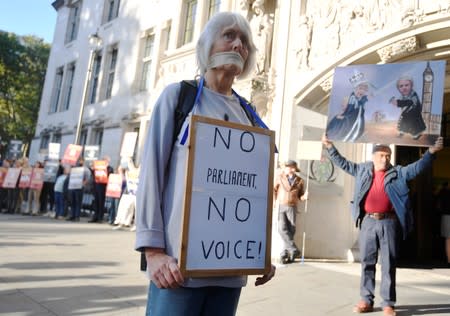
(211, 33)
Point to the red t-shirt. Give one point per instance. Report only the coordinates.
(377, 200)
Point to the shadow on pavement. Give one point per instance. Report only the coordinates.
(409, 310)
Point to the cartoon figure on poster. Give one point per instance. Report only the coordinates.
(397, 103)
(410, 121)
(349, 124)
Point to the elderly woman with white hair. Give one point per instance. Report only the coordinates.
(225, 51)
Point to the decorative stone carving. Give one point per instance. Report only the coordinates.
(398, 49)
(327, 84)
(261, 23)
(343, 25)
(304, 42)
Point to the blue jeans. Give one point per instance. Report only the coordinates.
(184, 301)
(59, 203)
(378, 235)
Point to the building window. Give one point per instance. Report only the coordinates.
(97, 137)
(214, 7)
(56, 138)
(191, 10)
(45, 139)
(95, 78)
(167, 35)
(57, 90)
(111, 10)
(83, 137)
(111, 72)
(74, 22)
(149, 44)
(69, 86)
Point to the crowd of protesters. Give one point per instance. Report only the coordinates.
(32, 193)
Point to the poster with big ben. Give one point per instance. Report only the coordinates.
(398, 103)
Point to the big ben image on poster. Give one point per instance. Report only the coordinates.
(399, 103)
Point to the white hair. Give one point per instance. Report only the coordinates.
(406, 78)
(211, 33)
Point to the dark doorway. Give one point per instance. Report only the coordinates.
(424, 245)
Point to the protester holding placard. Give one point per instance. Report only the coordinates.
(12, 183)
(289, 190)
(58, 190)
(225, 51)
(35, 188)
(6, 163)
(382, 210)
(79, 176)
(3, 171)
(102, 170)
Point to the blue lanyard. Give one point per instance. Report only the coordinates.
(243, 103)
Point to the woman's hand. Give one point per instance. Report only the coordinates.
(266, 277)
(163, 269)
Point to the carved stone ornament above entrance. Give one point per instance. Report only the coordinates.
(398, 49)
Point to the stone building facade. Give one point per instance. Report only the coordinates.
(146, 44)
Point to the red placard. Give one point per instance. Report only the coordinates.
(25, 178)
(37, 179)
(11, 178)
(114, 187)
(72, 154)
(101, 171)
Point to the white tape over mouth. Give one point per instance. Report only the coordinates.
(226, 58)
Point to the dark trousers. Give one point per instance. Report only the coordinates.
(76, 199)
(99, 201)
(47, 198)
(379, 235)
(12, 199)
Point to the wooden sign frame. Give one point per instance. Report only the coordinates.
(248, 256)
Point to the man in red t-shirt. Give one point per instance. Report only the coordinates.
(381, 208)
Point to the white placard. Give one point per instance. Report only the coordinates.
(228, 202)
(76, 178)
(128, 144)
(53, 151)
(309, 150)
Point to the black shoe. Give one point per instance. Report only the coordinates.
(284, 257)
(293, 255)
(93, 221)
(72, 219)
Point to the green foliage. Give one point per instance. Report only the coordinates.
(23, 62)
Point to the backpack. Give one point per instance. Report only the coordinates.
(186, 99)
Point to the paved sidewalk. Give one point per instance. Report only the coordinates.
(54, 267)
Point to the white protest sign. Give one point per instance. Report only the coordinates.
(309, 150)
(128, 144)
(228, 203)
(76, 178)
(53, 151)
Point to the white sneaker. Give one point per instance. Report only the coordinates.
(132, 229)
